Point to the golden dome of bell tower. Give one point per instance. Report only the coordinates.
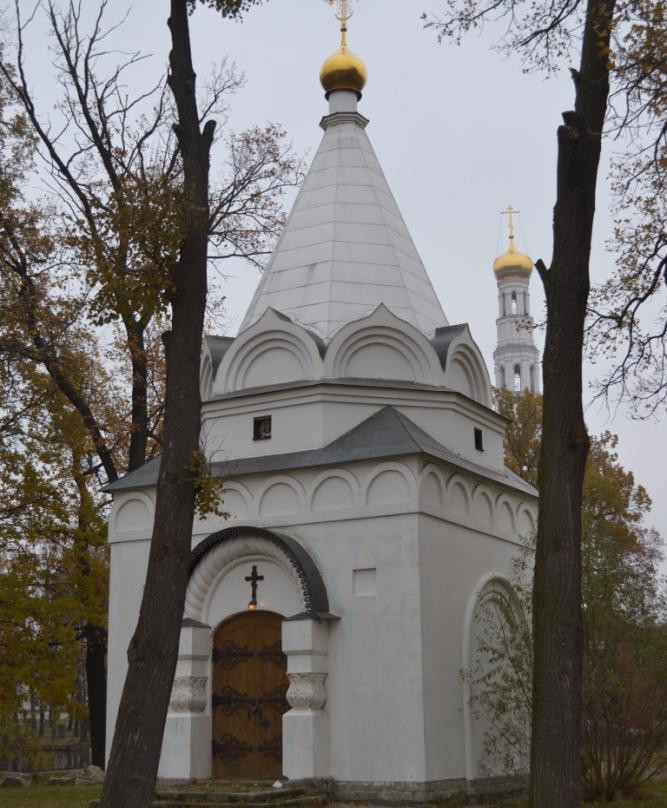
(516, 358)
(343, 70)
(512, 262)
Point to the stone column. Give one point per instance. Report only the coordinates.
(306, 724)
(186, 745)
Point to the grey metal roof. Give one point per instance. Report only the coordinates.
(346, 248)
(387, 433)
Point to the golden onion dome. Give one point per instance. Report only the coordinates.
(513, 262)
(343, 71)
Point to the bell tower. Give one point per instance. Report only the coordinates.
(516, 358)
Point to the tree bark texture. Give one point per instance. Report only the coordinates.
(555, 777)
(153, 651)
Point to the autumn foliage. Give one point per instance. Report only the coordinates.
(624, 728)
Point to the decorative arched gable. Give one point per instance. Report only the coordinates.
(206, 376)
(213, 351)
(274, 350)
(212, 555)
(463, 363)
(382, 346)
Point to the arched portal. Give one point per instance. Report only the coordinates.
(237, 575)
(249, 689)
(216, 554)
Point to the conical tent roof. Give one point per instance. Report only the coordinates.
(345, 248)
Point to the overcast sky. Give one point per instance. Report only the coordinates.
(460, 133)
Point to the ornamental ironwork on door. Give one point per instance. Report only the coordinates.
(249, 697)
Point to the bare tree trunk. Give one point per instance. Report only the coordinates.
(555, 780)
(153, 651)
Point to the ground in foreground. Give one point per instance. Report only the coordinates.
(49, 796)
(655, 796)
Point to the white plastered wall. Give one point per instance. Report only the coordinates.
(401, 546)
(130, 527)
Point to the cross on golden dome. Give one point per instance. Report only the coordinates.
(509, 212)
(343, 14)
(512, 262)
(343, 70)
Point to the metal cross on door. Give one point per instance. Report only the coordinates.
(249, 697)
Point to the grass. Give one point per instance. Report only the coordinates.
(654, 795)
(49, 796)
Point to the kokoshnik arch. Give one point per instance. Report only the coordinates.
(327, 620)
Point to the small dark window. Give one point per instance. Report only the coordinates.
(479, 441)
(261, 428)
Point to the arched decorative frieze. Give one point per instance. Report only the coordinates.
(334, 489)
(489, 584)
(282, 495)
(382, 346)
(133, 513)
(482, 506)
(237, 500)
(274, 350)
(526, 524)
(432, 487)
(390, 483)
(505, 519)
(457, 496)
(225, 548)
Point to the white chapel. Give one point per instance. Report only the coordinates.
(329, 617)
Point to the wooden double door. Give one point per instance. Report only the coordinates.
(249, 697)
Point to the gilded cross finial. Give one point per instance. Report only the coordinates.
(343, 14)
(509, 212)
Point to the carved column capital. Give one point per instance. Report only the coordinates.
(306, 691)
(188, 694)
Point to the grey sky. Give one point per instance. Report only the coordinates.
(460, 132)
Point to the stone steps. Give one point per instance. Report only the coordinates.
(240, 795)
(269, 798)
(216, 800)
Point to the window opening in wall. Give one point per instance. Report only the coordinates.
(517, 378)
(503, 381)
(479, 440)
(525, 302)
(261, 428)
(533, 386)
(513, 302)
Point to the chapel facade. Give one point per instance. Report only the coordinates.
(329, 617)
